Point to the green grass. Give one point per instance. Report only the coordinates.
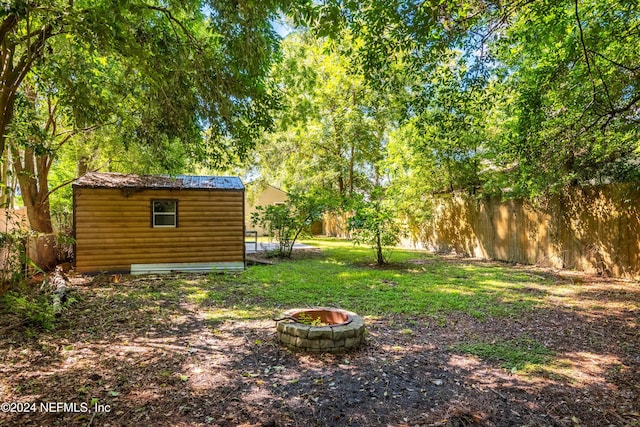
(343, 275)
(517, 355)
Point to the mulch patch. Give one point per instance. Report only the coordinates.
(166, 362)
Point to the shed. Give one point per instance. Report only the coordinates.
(154, 224)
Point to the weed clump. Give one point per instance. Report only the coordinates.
(33, 309)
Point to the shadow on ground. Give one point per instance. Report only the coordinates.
(147, 352)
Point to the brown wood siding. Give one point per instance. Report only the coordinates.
(113, 231)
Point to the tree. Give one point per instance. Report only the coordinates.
(414, 177)
(156, 72)
(414, 33)
(374, 223)
(451, 109)
(564, 75)
(288, 220)
(572, 73)
(331, 132)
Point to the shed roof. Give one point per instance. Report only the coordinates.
(121, 180)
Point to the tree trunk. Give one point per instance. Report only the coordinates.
(5, 185)
(380, 258)
(39, 215)
(42, 248)
(32, 172)
(42, 251)
(7, 103)
(352, 161)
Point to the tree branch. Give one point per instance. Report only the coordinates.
(68, 134)
(585, 50)
(615, 111)
(32, 53)
(51, 120)
(64, 184)
(617, 64)
(173, 19)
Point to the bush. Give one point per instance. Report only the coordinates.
(374, 223)
(12, 258)
(288, 220)
(33, 309)
(63, 227)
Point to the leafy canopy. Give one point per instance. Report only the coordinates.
(541, 94)
(157, 69)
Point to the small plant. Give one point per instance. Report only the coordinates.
(34, 310)
(374, 224)
(12, 258)
(287, 221)
(308, 319)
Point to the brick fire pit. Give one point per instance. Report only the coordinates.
(320, 329)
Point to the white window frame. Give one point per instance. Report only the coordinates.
(173, 214)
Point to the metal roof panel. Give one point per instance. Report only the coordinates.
(120, 180)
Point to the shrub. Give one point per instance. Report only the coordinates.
(33, 309)
(12, 258)
(288, 220)
(374, 223)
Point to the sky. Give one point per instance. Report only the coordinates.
(282, 27)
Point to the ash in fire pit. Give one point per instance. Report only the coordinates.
(321, 329)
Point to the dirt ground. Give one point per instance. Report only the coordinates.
(165, 363)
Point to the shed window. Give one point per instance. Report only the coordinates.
(164, 213)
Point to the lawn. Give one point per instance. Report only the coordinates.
(413, 283)
(450, 341)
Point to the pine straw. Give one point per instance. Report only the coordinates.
(169, 361)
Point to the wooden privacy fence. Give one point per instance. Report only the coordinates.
(13, 219)
(335, 225)
(594, 229)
